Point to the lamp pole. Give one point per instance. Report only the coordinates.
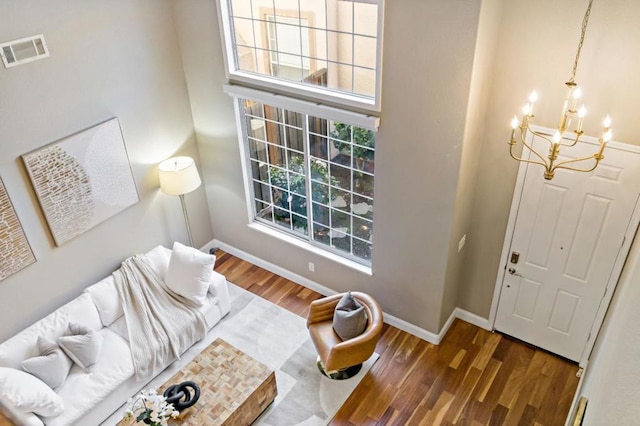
(186, 219)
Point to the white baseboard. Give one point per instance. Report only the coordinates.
(412, 329)
(299, 279)
(472, 318)
(576, 398)
(326, 291)
(446, 326)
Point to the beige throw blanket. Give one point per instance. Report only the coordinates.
(161, 323)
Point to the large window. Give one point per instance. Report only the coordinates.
(311, 176)
(308, 166)
(329, 48)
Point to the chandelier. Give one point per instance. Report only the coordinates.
(559, 139)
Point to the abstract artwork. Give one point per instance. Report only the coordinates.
(82, 180)
(15, 252)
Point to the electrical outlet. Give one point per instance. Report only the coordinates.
(461, 242)
(312, 267)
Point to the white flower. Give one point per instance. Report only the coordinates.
(151, 407)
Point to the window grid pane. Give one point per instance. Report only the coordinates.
(329, 43)
(312, 178)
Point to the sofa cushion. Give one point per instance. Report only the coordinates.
(52, 366)
(349, 318)
(81, 392)
(82, 345)
(28, 393)
(30, 419)
(119, 327)
(23, 345)
(190, 272)
(218, 287)
(105, 297)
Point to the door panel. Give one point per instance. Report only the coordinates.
(568, 232)
(593, 215)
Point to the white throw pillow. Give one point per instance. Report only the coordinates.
(158, 258)
(52, 366)
(189, 272)
(28, 393)
(105, 296)
(82, 345)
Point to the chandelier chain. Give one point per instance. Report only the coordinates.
(585, 21)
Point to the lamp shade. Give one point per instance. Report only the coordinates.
(178, 175)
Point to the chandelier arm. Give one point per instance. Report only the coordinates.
(575, 141)
(541, 135)
(524, 160)
(562, 165)
(522, 139)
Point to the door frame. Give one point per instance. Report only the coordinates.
(617, 266)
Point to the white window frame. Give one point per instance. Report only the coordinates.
(312, 109)
(296, 89)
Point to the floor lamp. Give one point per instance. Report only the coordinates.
(179, 176)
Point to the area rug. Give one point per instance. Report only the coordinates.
(280, 340)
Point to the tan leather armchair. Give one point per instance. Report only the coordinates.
(334, 353)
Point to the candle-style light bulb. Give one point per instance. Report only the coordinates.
(533, 97)
(607, 122)
(607, 136)
(514, 124)
(556, 137)
(581, 113)
(526, 109)
(577, 93)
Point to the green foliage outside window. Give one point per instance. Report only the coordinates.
(295, 199)
(362, 139)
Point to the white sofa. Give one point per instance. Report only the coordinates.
(90, 397)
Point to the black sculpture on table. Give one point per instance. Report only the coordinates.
(180, 396)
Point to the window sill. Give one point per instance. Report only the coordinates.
(311, 248)
(302, 91)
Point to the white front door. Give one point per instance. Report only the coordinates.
(568, 236)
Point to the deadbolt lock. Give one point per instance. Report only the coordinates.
(515, 256)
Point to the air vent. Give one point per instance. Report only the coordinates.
(28, 49)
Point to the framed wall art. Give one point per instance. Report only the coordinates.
(15, 251)
(82, 180)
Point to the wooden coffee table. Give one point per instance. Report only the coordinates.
(234, 388)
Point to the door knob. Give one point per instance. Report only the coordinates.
(512, 271)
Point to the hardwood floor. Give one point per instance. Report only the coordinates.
(474, 377)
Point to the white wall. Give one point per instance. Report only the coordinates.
(612, 378)
(481, 83)
(109, 58)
